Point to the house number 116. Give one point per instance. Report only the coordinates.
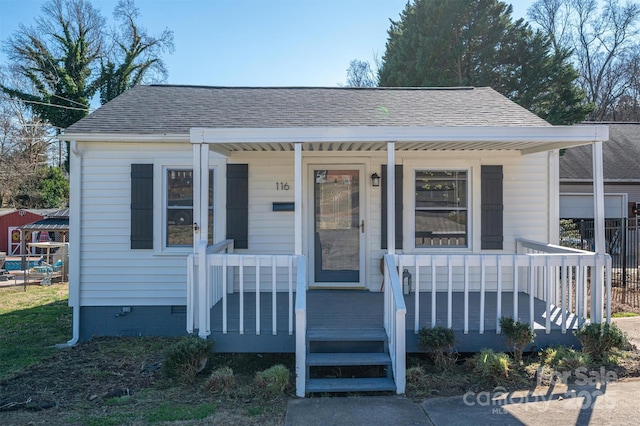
(282, 186)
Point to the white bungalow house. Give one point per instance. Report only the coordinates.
(329, 222)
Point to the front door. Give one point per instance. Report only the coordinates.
(338, 226)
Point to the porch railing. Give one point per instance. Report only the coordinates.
(395, 311)
(203, 296)
(567, 280)
(225, 272)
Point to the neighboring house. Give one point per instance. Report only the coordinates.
(259, 217)
(621, 167)
(10, 235)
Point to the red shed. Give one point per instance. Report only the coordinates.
(11, 218)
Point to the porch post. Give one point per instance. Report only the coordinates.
(391, 198)
(297, 193)
(554, 196)
(598, 215)
(200, 232)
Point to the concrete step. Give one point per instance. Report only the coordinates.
(351, 385)
(342, 359)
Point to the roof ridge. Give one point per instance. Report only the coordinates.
(312, 87)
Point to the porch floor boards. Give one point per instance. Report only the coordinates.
(357, 309)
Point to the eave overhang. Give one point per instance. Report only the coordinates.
(226, 141)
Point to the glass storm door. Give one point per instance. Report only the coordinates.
(337, 224)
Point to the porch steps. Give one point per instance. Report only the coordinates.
(360, 356)
(381, 384)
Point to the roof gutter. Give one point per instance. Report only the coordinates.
(535, 134)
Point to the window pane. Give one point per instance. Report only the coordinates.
(441, 208)
(444, 189)
(441, 228)
(179, 207)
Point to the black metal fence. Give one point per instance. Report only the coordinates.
(622, 238)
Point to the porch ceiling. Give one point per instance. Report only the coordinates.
(524, 140)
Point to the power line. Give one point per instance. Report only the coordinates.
(68, 100)
(49, 104)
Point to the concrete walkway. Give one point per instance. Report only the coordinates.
(613, 403)
(594, 399)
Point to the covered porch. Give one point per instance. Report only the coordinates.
(554, 289)
(248, 300)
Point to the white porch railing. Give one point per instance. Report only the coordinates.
(394, 322)
(200, 295)
(225, 272)
(567, 280)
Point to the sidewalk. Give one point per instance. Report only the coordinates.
(591, 401)
(610, 404)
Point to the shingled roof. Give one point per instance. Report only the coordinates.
(621, 156)
(169, 109)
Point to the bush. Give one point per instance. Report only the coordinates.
(518, 335)
(186, 358)
(438, 343)
(598, 340)
(492, 366)
(221, 380)
(561, 358)
(416, 380)
(273, 381)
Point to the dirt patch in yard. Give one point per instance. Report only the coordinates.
(106, 382)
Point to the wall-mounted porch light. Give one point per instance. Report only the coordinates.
(375, 179)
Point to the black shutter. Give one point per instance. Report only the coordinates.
(238, 204)
(398, 204)
(492, 207)
(142, 206)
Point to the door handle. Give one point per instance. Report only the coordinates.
(362, 226)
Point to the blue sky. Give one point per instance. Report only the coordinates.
(255, 42)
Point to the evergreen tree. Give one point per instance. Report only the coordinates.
(476, 43)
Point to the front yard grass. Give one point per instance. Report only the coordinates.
(119, 381)
(31, 323)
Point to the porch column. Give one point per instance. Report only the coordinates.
(598, 225)
(553, 162)
(391, 198)
(200, 232)
(297, 193)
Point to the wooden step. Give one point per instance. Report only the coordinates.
(346, 335)
(351, 385)
(342, 359)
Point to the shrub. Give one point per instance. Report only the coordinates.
(562, 358)
(598, 340)
(273, 381)
(518, 335)
(416, 380)
(438, 343)
(492, 366)
(186, 358)
(221, 380)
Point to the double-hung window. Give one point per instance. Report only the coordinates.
(179, 208)
(441, 208)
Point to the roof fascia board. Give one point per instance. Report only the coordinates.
(553, 135)
(124, 137)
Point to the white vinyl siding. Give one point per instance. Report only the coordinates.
(111, 274)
